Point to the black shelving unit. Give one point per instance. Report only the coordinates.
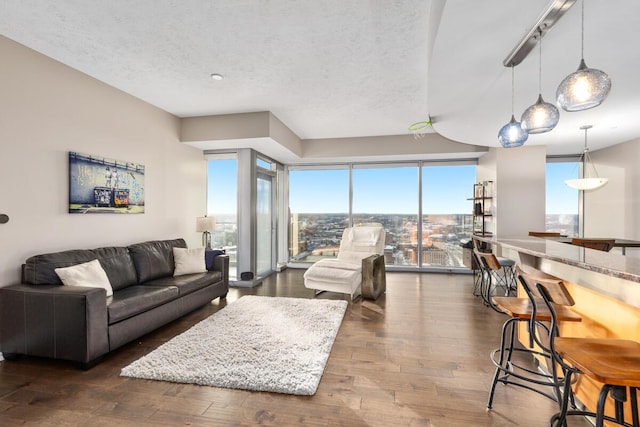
(482, 207)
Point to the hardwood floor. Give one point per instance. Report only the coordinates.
(418, 356)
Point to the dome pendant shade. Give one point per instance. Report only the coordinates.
(586, 183)
(590, 179)
(540, 117)
(512, 135)
(584, 89)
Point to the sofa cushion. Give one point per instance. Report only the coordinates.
(154, 259)
(89, 274)
(118, 265)
(188, 283)
(188, 261)
(137, 299)
(210, 255)
(40, 269)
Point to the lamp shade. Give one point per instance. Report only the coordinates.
(584, 89)
(586, 183)
(512, 135)
(590, 179)
(540, 117)
(205, 223)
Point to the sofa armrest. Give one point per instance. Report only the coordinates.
(374, 280)
(61, 322)
(221, 263)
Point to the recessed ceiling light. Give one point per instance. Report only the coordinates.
(217, 76)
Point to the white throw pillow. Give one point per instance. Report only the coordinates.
(189, 261)
(89, 274)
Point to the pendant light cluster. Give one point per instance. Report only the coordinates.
(584, 89)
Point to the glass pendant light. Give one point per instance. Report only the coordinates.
(590, 179)
(542, 116)
(512, 135)
(584, 89)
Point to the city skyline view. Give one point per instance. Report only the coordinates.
(319, 208)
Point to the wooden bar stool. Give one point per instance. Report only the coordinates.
(534, 312)
(613, 362)
(505, 276)
(493, 267)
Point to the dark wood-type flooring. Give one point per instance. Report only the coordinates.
(419, 356)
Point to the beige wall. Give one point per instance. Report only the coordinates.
(614, 210)
(48, 109)
(519, 188)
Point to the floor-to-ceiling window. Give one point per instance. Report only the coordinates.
(222, 203)
(388, 194)
(318, 211)
(562, 205)
(446, 213)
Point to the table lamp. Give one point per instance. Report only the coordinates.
(205, 225)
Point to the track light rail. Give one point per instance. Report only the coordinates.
(551, 14)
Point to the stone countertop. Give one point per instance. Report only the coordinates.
(611, 264)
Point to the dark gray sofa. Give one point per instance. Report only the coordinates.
(41, 317)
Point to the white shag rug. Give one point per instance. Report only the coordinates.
(255, 343)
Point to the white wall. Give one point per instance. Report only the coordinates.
(48, 109)
(614, 210)
(519, 188)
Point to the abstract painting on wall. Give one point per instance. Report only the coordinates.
(101, 185)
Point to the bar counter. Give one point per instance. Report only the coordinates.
(611, 274)
(604, 285)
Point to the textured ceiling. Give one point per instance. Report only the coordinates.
(337, 68)
(325, 68)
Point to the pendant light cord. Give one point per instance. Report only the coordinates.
(586, 160)
(513, 89)
(582, 35)
(540, 64)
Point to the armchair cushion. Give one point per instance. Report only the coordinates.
(361, 249)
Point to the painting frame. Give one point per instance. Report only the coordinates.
(103, 185)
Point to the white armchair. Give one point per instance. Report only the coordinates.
(359, 268)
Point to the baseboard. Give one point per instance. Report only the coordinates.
(246, 283)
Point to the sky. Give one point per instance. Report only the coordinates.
(222, 187)
(384, 190)
(561, 199)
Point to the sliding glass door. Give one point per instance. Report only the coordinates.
(265, 239)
